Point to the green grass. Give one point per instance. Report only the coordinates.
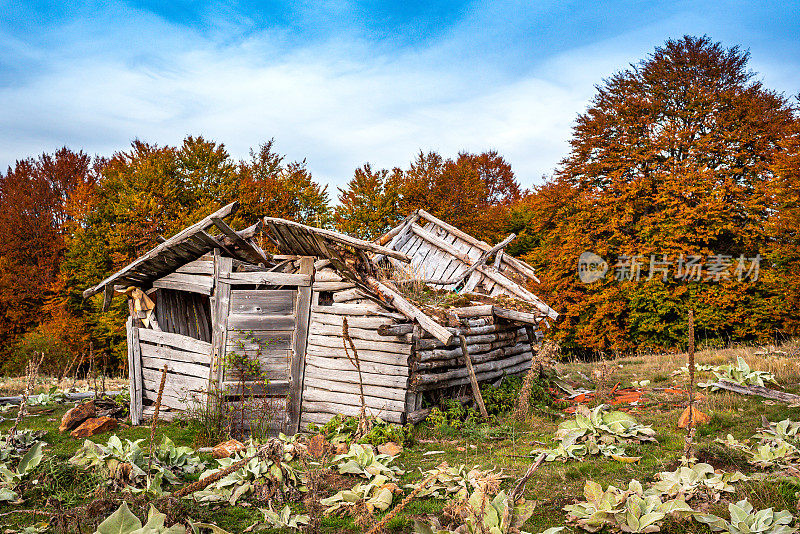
(503, 446)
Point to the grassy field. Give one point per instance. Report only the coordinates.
(503, 445)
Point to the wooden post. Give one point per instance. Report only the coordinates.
(219, 317)
(134, 372)
(299, 346)
(690, 427)
(476, 390)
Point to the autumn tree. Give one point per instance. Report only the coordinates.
(268, 185)
(36, 211)
(369, 206)
(470, 192)
(673, 157)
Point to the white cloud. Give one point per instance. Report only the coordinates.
(338, 104)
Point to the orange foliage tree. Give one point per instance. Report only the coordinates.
(36, 213)
(472, 192)
(675, 156)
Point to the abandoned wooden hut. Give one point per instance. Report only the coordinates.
(325, 319)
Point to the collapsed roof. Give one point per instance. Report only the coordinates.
(422, 248)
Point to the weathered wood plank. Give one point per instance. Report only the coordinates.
(175, 340)
(344, 409)
(365, 355)
(167, 354)
(269, 278)
(382, 346)
(353, 399)
(365, 334)
(343, 364)
(263, 301)
(368, 322)
(356, 309)
(397, 394)
(201, 266)
(352, 377)
(338, 238)
(264, 323)
(166, 245)
(177, 367)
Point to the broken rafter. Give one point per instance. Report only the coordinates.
(247, 248)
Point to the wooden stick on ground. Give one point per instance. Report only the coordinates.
(516, 493)
(476, 390)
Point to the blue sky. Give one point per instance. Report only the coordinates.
(343, 83)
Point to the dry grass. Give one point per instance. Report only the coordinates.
(15, 385)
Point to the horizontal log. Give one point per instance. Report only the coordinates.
(352, 377)
(170, 354)
(327, 275)
(332, 286)
(398, 394)
(473, 311)
(347, 410)
(395, 329)
(343, 364)
(428, 378)
(382, 346)
(514, 315)
(268, 278)
(349, 295)
(425, 344)
(488, 376)
(496, 354)
(174, 340)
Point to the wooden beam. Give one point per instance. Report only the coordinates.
(339, 238)
(412, 312)
(247, 248)
(476, 390)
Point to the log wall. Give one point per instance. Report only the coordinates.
(496, 348)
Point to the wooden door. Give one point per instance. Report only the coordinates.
(260, 343)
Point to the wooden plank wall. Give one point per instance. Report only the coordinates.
(331, 384)
(188, 362)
